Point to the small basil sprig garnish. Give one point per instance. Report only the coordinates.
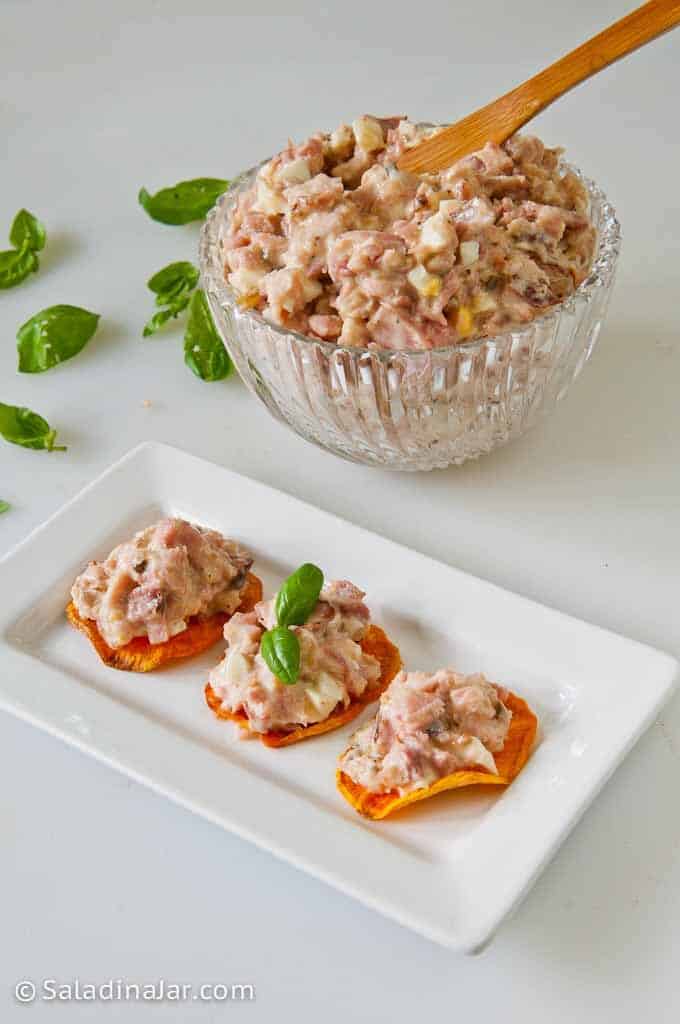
(27, 235)
(280, 648)
(295, 602)
(172, 286)
(204, 351)
(4, 506)
(184, 202)
(54, 335)
(22, 426)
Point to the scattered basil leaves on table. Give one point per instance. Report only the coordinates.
(27, 231)
(4, 506)
(172, 286)
(22, 426)
(280, 648)
(54, 335)
(16, 265)
(297, 598)
(295, 602)
(204, 351)
(183, 202)
(60, 332)
(28, 236)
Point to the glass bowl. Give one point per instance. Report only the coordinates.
(412, 409)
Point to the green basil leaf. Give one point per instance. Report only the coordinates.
(183, 202)
(179, 291)
(163, 315)
(16, 265)
(27, 232)
(280, 649)
(4, 506)
(156, 322)
(173, 286)
(54, 335)
(172, 279)
(297, 598)
(22, 426)
(204, 351)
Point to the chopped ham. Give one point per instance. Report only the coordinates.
(326, 327)
(319, 193)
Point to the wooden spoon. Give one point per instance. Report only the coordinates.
(497, 121)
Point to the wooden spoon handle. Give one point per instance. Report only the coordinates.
(624, 36)
(500, 119)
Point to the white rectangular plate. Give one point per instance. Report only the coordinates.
(451, 868)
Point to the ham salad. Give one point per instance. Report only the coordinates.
(426, 727)
(333, 241)
(151, 585)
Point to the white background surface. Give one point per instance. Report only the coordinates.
(104, 879)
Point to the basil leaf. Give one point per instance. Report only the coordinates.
(27, 231)
(183, 202)
(204, 351)
(4, 506)
(297, 598)
(180, 289)
(54, 335)
(280, 649)
(163, 315)
(21, 426)
(173, 286)
(173, 278)
(27, 235)
(16, 265)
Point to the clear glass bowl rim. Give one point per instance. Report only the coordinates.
(600, 273)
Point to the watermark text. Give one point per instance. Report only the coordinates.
(117, 990)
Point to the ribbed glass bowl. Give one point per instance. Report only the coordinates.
(412, 409)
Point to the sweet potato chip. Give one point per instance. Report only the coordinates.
(509, 762)
(140, 656)
(375, 642)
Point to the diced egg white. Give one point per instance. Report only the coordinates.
(341, 140)
(449, 206)
(246, 280)
(484, 302)
(428, 285)
(236, 668)
(294, 173)
(469, 253)
(437, 233)
(325, 693)
(268, 201)
(368, 133)
(474, 752)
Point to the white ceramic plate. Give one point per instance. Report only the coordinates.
(451, 868)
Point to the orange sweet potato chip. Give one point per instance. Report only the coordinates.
(375, 642)
(509, 762)
(141, 656)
